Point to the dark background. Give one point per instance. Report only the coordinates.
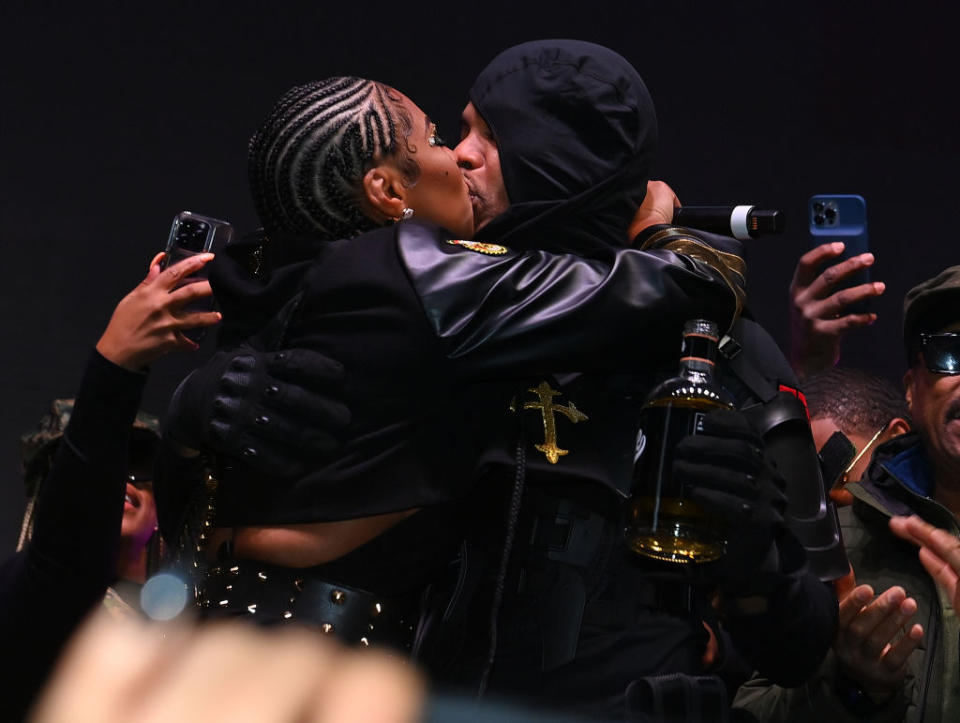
(116, 117)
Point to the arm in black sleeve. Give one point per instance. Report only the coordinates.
(522, 313)
(786, 640)
(775, 603)
(48, 587)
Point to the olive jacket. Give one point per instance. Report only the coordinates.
(897, 483)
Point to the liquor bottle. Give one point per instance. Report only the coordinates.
(662, 522)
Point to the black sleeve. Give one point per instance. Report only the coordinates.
(178, 486)
(522, 313)
(788, 642)
(50, 585)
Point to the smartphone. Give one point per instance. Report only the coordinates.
(191, 234)
(842, 217)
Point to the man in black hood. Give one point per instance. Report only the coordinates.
(557, 144)
(559, 136)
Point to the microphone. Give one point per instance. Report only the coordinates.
(741, 222)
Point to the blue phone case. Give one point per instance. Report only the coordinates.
(842, 217)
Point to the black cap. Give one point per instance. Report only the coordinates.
(929, 306)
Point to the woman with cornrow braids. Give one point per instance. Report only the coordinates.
(432, 332)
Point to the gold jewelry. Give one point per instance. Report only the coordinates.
(853, 463)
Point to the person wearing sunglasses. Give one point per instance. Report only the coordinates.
(140, 548)
(91, 519)
(895, 655)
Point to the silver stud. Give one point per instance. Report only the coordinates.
(298, 585)
(375, 610)
(326, 628)
(262, 576)
(229, 587)
(364, 642)
(287, 615)
(224, 603)
(338, 597)
(370, 627)
(235, 570)
(252, 608)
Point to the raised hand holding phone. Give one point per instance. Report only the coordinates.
(831, 284)
(152, 319)
(192, 234)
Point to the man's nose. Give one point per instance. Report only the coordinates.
(467, 156)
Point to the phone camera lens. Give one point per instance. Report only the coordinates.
(818, 219)
(817, 207)
(831, 214)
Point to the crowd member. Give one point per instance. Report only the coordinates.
(223, 673)
(866, 408)
(88, 524)
(819, 318)
(557, 142)
(231, 672)
(140, 548)
(71, 558)
(939, 553)
(413, 316)
(881, 668)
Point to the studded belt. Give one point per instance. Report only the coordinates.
(272, 594)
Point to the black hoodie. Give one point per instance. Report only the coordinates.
(576, 132)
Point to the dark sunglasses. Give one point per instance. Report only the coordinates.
(941, 352)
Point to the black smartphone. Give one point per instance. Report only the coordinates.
(842, 217)
(191, 234)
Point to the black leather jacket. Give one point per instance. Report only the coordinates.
(413, 315)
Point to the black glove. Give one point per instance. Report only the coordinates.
(726, 473)
(278, 411)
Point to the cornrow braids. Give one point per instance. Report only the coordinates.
(307, 160)
(856, 400)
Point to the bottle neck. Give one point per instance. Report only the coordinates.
(697, 374)
(697, 357)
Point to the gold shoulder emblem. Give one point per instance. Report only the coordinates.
(480, 248)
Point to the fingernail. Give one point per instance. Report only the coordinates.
(879, 287)
(867, 259)
(837, 246)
